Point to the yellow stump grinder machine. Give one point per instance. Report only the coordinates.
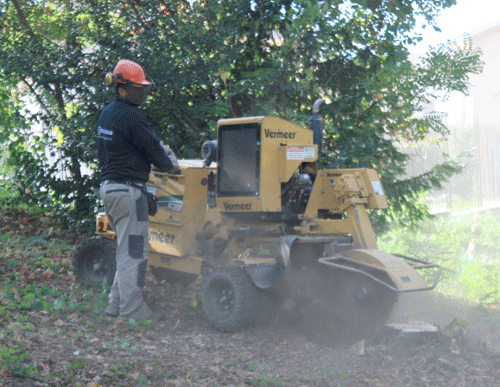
(266, 228)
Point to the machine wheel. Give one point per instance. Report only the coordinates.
(228, 297)
(173, 276)
(94, 261)
(364, 306)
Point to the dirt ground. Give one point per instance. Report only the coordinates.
(82, 349)
(482, 324)
(85, 348)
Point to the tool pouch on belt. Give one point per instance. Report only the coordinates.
(152, 199)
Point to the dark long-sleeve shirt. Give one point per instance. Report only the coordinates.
(126, 145)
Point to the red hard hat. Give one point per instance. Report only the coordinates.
(127, 70)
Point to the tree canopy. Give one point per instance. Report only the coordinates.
(217, 59)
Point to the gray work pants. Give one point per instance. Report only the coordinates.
(127, 211)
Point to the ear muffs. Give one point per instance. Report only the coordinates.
(109, 79)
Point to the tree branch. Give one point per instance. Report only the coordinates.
(58, 95)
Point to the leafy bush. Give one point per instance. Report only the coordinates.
(7, 194)
(445, 240)
(220, 59)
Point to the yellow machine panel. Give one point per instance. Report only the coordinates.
(337, 190)
(182, 210)
(250, 146)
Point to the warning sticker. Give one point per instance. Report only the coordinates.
(310, 153)
(295, 153)
(377, 187)
(171, 202)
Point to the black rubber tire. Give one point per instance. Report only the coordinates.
(228, 298)
(173, 276)
(95, 261)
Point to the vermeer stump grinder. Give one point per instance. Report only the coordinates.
(268, 230)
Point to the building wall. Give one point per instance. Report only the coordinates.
(486, 86)
(486, 113)
(474, 124)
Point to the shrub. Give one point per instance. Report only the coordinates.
(445, 240)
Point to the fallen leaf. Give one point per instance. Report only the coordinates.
(47, 273)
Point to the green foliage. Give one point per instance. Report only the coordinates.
(8, 195)
(323, 373)
(213, 59)
(23, 297)
(75, 366)
(456, 327)
(265, 380)
(253, 366)
(445, 240)
(13, 358)
(407, 203)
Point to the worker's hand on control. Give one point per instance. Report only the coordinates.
(171, 155)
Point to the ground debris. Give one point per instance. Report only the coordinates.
(73, 344)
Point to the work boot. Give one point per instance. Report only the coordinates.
(111, 311)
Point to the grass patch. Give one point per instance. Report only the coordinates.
(446, 240)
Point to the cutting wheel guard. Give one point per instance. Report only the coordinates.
(416, 264)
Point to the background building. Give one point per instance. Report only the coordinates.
(474, 124)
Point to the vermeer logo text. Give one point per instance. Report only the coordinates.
(271, 134)
(237, 207)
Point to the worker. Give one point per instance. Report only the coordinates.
(127, 148)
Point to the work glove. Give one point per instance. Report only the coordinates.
(171, 155)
